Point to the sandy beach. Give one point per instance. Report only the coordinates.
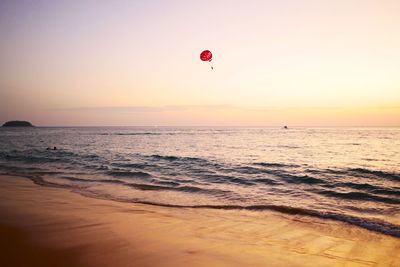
(43, 226)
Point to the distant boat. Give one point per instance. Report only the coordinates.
(285, 127)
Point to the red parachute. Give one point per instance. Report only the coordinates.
(206, 55)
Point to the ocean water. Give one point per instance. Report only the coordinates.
(344, 174)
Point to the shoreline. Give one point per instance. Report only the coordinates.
(75, 230)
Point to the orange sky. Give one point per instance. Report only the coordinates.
(323, 63)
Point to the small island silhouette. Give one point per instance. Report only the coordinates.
(18, 124)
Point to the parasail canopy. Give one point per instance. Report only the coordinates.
(206, 55)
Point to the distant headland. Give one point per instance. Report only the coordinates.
(18, 124)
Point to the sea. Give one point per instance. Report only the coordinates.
(351, 175)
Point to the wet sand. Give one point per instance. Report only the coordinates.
(42, 226)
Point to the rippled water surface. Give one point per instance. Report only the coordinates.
(345, 174)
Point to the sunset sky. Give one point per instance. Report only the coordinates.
(94, 63)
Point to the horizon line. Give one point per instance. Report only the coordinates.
(233, 126)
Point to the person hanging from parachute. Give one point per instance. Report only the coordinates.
(206, 55)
